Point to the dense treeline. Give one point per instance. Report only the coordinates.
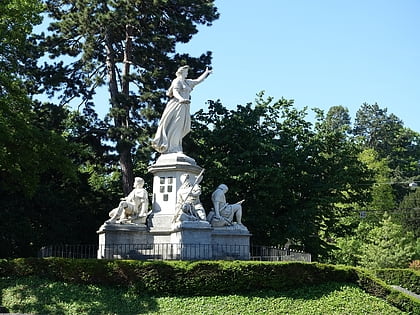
(334, 187)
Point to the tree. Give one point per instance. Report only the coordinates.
(130, 46)
(338, 118)
(386, 134)
(290, 176)
(367, 215)
(377, 128)
(24, 145)
(30, 151)
(408, 213)
(388, 246)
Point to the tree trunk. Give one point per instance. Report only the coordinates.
(123, 148)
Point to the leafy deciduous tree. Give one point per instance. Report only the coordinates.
(290, 175)
(388, 246)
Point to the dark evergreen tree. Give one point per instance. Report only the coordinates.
(338, 118)
(386, 134)
(129, 45)
(408, 213)
(377, 128)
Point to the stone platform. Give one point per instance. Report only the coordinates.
(161, 237)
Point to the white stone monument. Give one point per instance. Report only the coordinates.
(177, 224)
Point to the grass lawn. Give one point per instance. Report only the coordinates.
(39, 296)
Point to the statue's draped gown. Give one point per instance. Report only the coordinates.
(175, 122)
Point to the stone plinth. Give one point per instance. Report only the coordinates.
(118, 240)
(194, 239)
(231, 242)
(167, 172)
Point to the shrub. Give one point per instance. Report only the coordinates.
(406, 278)
(204, 278)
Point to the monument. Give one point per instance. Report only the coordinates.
(177, 223)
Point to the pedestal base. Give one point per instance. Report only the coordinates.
(194, 239)
(231, 243)
(119, 240)
(185, 241)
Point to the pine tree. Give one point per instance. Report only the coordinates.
(129, 45)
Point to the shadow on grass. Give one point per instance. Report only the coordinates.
(39, 296)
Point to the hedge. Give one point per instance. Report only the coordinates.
(203, 278)
(407, 278)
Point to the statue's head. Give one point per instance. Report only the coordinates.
(182, 70)
(223, 187)
(138, 181)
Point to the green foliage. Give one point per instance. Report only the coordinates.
(382, 201)
(406, 278)
(378, 288)
(338, 119)
(38, 176)
(85, 286)
(189, 278)
(382, 194)
(387, 246)
(377, 128)
(34, 295)
(297, 181)
(386, 134)
(16, 22)
(408, 213)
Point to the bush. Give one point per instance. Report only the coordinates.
(406, 278)
(190, 278)
(203, 278)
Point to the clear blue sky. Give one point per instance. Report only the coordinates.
(319, 53)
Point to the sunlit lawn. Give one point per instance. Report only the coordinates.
(40, 296)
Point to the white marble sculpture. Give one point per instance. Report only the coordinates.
(189, 207)
(223, 214)
(133, 208)
(175, 122)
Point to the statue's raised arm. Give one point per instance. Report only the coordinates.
(175, 122)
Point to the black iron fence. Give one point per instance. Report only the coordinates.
(170, 251)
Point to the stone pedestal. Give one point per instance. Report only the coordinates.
(231, 242)
(119, 240)
(166, 181)
(194, 239)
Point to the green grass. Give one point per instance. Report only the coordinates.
(40, 296)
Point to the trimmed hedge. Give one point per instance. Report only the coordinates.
(180, 277)
(203, 278)
(406, 278)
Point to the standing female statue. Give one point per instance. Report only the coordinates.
(175, 122)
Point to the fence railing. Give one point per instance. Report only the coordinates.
(170, 251)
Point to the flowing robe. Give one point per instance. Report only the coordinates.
(175, 122)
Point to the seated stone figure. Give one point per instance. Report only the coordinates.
(223, 213)
(133, 208)
(189, 207)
